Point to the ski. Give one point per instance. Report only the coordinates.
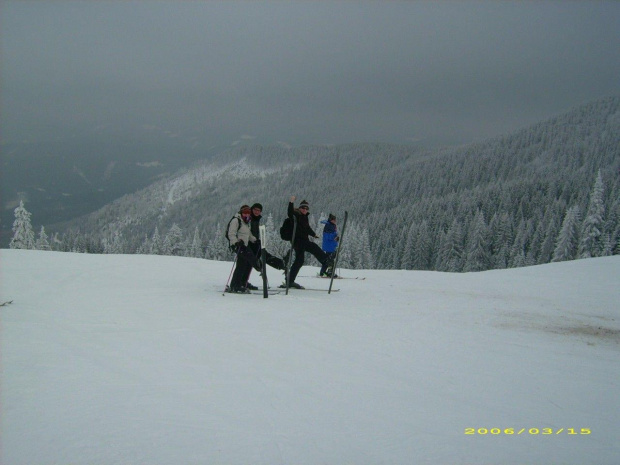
(335, 265)
(312, 289)
(269, 291)
(259, 292)
(357, 278)
(4, 304)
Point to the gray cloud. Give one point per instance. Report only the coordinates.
(305, 72)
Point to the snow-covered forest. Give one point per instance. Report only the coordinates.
(550, 192)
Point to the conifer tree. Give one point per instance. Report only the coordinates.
(502, 240)
(608, 248)
(423, 248)
(548, 244)
(566, 245)
(23, 235)
(145, 247)
(42, 241)
(195, 250)
(366, 260)
(173, 242)
(409, 250)
(116, 245)
(478, 256)
(535, 245)
(452, 254)
(217, 248)
(518, 250)
(592, 238)
(156, 245)
(275, 245)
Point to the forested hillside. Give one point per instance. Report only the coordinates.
(548, 192)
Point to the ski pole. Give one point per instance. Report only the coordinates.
(231, 270)
(335, 265)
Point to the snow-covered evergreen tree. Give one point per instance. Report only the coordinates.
(116, 245)
(145, 246)
(548, 245)
(173, 242)
(195, 249)
(23, 235)
(451, 255)
(275, 245)
(520, 246)
(409, 250)
(502, 240)
(592, 239)
(43, 240)
(566, 245)
(366, 261)
(217, 248)
(478, 254)
(156, 243)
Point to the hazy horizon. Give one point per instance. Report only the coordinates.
(302, 72)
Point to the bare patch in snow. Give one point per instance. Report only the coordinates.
(590, 331)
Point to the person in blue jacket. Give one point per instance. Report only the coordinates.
(330, 243)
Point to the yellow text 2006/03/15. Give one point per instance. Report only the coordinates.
(528, 431)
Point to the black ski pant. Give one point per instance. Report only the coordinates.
(301, 247)
(331, 256)
(245, 261)
(271, 260)
(274, 262)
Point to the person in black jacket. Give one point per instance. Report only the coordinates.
(301, 241)
(271, 260)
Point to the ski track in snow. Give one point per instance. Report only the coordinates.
(136, 359)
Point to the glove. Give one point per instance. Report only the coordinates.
(237, 246)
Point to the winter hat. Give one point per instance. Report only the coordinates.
(331, 217)
(304, 204)
(245, 209)
(257, 205)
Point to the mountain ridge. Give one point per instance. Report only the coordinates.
(534, 176)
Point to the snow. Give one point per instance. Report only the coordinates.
(181, 186)
(129, 359)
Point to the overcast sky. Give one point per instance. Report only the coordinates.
(305, 72)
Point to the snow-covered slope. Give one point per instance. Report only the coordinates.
(141, 360)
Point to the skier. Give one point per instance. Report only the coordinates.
(301, 242)
(240, 236)
(330, 242)
(271, 260)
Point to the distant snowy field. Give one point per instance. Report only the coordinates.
(129, 359)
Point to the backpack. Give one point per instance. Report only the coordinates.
(286, 230)
(227, 227)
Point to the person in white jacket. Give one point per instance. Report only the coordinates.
(240, 236)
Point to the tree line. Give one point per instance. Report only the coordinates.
(468, 244)
(175, 242)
